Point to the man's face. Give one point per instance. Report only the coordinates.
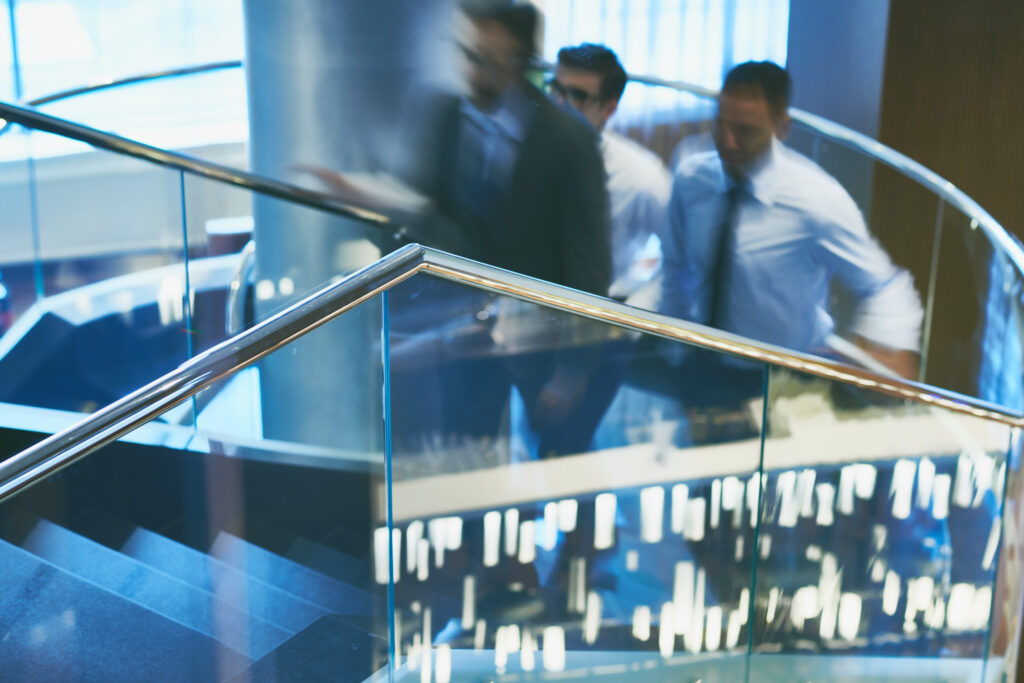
(582, 89)
(493, 62)
(743, 129)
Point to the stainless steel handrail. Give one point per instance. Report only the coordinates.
(130, 80)
(37, 120)
(74, 443)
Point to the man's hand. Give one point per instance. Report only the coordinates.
(904, 363)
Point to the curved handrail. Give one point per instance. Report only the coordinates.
(834, 131)
(106, 425)
(37, 120)
(881, 153)
(129, 80)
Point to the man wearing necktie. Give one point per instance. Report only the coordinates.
(757, 233)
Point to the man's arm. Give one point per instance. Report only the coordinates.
(887, 321)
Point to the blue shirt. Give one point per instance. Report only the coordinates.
(796, 229)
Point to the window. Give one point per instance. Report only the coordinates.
(695, 41)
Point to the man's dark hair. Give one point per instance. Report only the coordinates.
(600, 60)
(768, 77)
(519, 20)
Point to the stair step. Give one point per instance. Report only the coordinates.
(329, 650)
(143, 585)
(57, 626)
(228, 583)
(332, 595)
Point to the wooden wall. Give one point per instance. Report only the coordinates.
(952, 99)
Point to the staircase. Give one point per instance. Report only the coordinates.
(102, 599)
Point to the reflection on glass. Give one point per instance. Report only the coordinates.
(884, 520)
(173, 554)
(609, 522)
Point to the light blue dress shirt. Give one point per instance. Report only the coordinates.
(796, 229)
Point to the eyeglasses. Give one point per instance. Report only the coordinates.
(481, 61)
(577, 97)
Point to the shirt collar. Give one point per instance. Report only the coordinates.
(763, 176)
(509, 117)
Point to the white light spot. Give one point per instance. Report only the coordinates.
(993, 544)
(804, 606)
(891, 593)
(864, 481)
(826, 496)
(453, 533)
(789, 506)
(849, 615)
(286, 286)
(680, 496)
(413, 534)
(632, 560)
(604, 521)
(380, 554)
(468, 601)
(567, 511)
(443, 664)
(527, 658)
(713, 637)
(716, 503)
(805, 492)
(592, 618)
(511, 532)
(492, 538)
(652, 514)
(902, 488)
(732, 635)
(480, 635)
(527, 544)
(773, 604)
(553, 654)
(695, 513)
(422, 559)
(667, 631)
(958, 612)
(940, 497)
(925, 482)
(847, 484)
(682, 596)
(642, 623)
(265, 290)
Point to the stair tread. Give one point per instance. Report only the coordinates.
(149, 587)
(336, 596)
(228, 583)
(59, 627)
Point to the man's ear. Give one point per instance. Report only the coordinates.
(782, 125)
(608, 109)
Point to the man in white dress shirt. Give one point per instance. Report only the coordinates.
(757, 232)
(590, 78)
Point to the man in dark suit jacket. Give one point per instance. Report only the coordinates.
(520, 181)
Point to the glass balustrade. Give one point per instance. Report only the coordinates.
(488, 488)
(177, 553)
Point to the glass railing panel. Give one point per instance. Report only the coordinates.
(109, 257)
(567, 496)
(296, 251)
(974, 340)
(176, 555)
(879, 535)
(18, 274)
